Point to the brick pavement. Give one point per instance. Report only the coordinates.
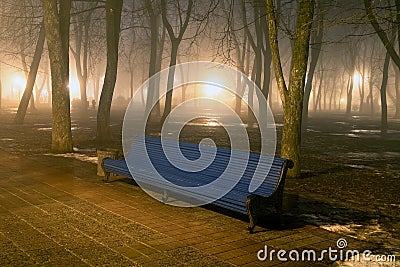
(56, 211)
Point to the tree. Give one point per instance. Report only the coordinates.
(397, 98)
(81, 29)
(389, 46)
(381, 33)
(385, 71)
(131, 56)
(1, 84)
(23, 105)
(175, 42)
(316, 45)
(154, 18)
(292, 96)
(1, 87)
(234, 40)
(113, 28)
(262, 53)
(350, 66)
(56, 23)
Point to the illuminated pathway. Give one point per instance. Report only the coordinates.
(56, 211)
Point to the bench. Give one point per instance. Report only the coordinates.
(238, 199)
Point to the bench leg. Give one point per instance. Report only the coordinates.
(165, 196)
(106, 177)
(278, 206)
(250, 209)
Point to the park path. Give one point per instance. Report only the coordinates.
(56, 211)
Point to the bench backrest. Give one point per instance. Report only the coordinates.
(269, 177)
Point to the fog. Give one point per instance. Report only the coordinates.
(350, 57)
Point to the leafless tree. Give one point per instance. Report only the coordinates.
(292, 95)
(56, 23)
(184, 18)
(113, 27)
(28, 92)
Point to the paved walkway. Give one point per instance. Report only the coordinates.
(56, 211)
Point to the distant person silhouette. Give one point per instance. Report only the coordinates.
(93, 104)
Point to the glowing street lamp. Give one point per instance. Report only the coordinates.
(19, 83)
(211, 90)
(357, 79)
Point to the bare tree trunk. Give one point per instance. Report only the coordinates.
(319, 92)
(342, 89)
(325, 92)
(154, 18)
(362, 88)
(250, 96)
(39, 90)
(26, 71)
(371, 95)
(241, 52)
(316, 41)
(57, 35)
(81, 59)
(370, 82)
(49, 91)
(244, 65)
(1, 89)
(113, 28)
(384, 123)
(175, 41)
(350, 65)
(381, 33)
(397, 73)
(85, 67)
(262, 57)
(349, 95)
(157, 107)
(96, 85)
(23, 105)
(170, 83)
(292, 97)
(332, 97)
(266, 56)
(397, 85)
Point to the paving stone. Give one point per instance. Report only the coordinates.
(57, 212)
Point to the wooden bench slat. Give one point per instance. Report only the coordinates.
(271, 175)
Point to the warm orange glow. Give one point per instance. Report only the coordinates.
(211, 90)
(18, 85)
(357, 78)
(19, 81)
(74, 88)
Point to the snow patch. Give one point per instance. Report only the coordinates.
(44, 129)
(345, 229)
(371, 261)
(81, 157)
(7, 139)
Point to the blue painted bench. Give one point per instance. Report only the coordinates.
(238, 199)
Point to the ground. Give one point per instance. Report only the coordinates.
(350, 171)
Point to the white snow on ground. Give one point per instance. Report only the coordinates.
(345, 229)
(371, 261)
(365, 232)
(44, 129)
(6, 139)
(81, 157)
